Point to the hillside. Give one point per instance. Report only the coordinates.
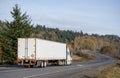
(78, 41)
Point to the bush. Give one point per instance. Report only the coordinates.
(83, 54)
(108, 50)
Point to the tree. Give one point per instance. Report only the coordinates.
(81, 33)
(19, 27)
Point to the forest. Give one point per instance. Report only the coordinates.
(21, 27)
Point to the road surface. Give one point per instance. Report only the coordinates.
(55, 71)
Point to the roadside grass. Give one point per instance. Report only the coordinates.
(83, 57)
(110, 72)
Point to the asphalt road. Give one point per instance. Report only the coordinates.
(54, 71)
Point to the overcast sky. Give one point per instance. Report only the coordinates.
(91, 16)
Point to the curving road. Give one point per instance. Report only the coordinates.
(55, 71)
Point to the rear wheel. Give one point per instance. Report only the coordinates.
(41, 64)
(44, 64)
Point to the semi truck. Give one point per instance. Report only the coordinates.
(39, 52)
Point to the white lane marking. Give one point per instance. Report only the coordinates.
(50, 72)
(13, 70)
(79, 65)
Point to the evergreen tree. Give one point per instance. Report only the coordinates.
(19, 27)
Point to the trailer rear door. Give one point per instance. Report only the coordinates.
(26, 48)
(31, 48)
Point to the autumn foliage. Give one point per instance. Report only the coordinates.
(108, 50)
(76, 41)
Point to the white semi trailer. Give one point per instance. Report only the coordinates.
(39, 52)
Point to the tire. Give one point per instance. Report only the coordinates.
(44, 64)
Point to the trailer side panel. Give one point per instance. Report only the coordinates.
(49, 50)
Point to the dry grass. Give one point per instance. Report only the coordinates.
(82, 59)
(76, 58)
(110, 72)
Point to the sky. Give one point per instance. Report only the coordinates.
(91, 16)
